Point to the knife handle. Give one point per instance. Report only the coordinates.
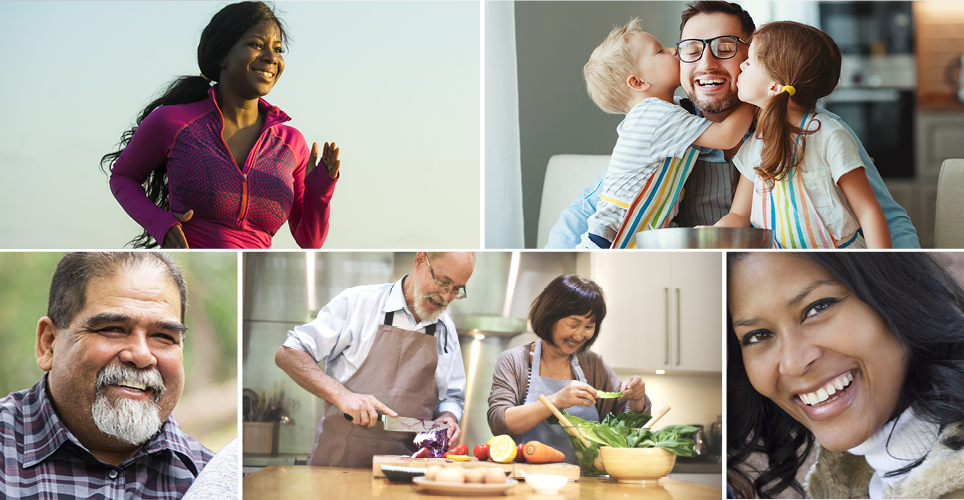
(348, 417)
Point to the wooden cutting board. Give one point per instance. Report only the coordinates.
(515, 469)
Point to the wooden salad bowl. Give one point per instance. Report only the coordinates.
(637, 465)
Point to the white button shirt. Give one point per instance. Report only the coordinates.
(344, 331)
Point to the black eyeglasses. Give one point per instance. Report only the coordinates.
(442, 287)
(722, 47)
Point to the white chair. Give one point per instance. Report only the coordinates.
(949, 222)
(566, 177)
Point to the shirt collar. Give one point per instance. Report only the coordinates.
(44, 433)
(273, 115)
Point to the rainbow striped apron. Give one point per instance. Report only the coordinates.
(785, 207)
(657, 202)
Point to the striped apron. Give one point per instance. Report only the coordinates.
(657, 202)
(785, 207)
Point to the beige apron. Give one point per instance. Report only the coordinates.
(400, 372)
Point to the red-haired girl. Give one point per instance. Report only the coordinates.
(802, 174)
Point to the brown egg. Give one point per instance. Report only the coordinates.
(450, 475)
(475, 475)
(494, 475)
(432, 471)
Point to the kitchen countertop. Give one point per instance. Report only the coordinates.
(301, 481)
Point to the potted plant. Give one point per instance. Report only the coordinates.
(262, 416)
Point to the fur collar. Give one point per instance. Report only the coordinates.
(941, 475)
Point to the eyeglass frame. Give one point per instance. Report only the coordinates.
(442, 287)
(707, 43)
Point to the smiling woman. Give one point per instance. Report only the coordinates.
(222, 169)
(862, 353)
(567, 317)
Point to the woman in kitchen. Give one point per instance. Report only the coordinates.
(222, 169)
(567, 317)
(860, 354)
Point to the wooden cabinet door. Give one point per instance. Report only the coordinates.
(635, 333)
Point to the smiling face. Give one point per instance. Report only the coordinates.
(658, 65)
(254, 63)
(710, 82)
(814, 348)
(570, 333)
(453, 270)
(119, 359)
(755, 83)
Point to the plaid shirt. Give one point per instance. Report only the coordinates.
(40, 458)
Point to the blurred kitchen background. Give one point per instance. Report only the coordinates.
(663, 322)
(901, 90)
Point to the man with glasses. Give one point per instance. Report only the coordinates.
(389, 349)
(709, 79)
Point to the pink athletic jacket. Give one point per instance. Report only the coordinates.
(233, 208)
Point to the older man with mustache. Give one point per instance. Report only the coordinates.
(99, 425)
(709, 77)
(388, 349)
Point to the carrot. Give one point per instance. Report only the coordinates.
(538, 453)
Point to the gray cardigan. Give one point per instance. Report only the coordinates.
(511, 378)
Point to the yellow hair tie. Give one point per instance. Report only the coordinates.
(209, 80)
(790, 90)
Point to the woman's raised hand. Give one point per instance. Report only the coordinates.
(633, 389)
(175, 235)
(329, 158)
(576, 393)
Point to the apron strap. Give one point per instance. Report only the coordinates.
(429, 329)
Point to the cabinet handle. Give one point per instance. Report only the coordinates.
(677, 329)
(666, 293)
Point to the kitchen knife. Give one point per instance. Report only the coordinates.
(405, 424)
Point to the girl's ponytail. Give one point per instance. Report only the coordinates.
(807, 59)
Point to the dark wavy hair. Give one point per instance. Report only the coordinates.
(565, 296)
(921, 304)
(224, 30)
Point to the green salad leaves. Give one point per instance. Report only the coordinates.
(625, 431)
(606, 395)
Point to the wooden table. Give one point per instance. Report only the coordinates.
(303, 482)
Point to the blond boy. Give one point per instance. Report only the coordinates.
(632, 73)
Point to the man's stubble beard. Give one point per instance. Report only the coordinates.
(717, 105)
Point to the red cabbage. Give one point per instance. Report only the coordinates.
(435, 441)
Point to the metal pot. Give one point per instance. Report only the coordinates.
(705, 237)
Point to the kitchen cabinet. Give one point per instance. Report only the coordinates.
(663, 310)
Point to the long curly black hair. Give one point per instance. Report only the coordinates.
(922, 305)
(224, 30)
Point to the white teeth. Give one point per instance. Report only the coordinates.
(265, 73)
(717, 81)
(824, 393)
(133, 385)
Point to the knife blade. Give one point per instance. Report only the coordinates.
(405, 424)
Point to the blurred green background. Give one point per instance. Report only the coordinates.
(208, 409)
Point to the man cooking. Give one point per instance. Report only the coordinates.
(390, 349)
(99, 425)
(710, 85)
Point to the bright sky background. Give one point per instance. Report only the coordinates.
(394, 84)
